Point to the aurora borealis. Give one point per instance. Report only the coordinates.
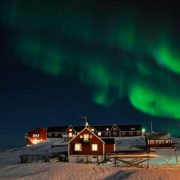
(119, 49)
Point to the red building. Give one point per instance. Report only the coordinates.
(159, 140)
(88, 147)
(36, 136)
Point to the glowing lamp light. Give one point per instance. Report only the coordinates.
(143, 130)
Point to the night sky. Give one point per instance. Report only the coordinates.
(114, 61)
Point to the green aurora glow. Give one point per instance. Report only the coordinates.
(116, 51)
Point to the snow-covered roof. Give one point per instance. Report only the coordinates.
(158, 136)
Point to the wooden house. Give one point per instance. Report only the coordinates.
(56, 132)
(88, 147)
(114, 130)
(36, 136)
(159, 140)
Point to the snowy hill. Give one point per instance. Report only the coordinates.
(165, 166)
(12, 156)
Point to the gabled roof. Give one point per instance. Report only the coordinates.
(86, 128)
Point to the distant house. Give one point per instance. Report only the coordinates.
(159, 140)
(36, 136)
(100, 130)
(56, 132)
(88, 147)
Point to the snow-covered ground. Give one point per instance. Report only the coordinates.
(70, 171)
(165, 166)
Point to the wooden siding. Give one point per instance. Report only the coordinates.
(86, 146)
(109, 148)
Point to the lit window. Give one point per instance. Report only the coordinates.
(133, 129)
(70, 130)
(78, 147)
(86, 137)
(35, 135)
(107, 129)
(81, 136)
(70, 134)
(94, 147)
(114, 129)
(92, 129)
(99, 133)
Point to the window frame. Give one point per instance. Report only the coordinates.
(94, 147)
(77, 147)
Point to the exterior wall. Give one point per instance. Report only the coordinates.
(86, 146)
(160, 143)
(86, 159)
(109, 148)
(131, 133)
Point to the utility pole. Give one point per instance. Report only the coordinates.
(151, 127)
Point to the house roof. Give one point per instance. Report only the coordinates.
(97, 127)
(158, 136)
(109, 140)
(86, 128)
(38, 130)
(57, 128)
(138, 127)
(102, 127)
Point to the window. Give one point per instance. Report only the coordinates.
(114, 129)
(133, 129)
(70, 134)
(115, 133)
(99, 133)
(130, 133)
(92, 129)
(94, 147)
(86, 137)
(70, 130)
(78, 147)
(35, 135)
(49, 134)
